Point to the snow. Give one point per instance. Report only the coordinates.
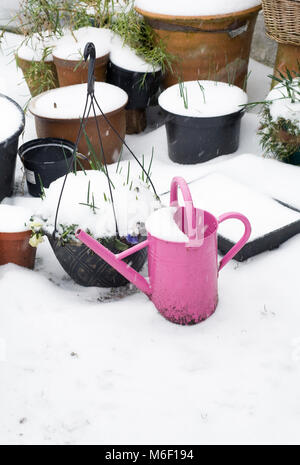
(203, 99)
(92, 366)
(11, 118)
(125, 57)
(161, 224)
(195, 7)
(282, 106)
(33, 49)
(13, 219)
(69, 102)
(219, 194)
(71, 46)
(133, 200)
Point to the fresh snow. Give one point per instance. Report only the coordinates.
(13, 219)
(33, 49)
(69, 102)
(94, 366)
(282, 106)
(204, 99)
(134, 202)
(11, 118)
(71, 46)
(125, 57)
(161, 224)
(219, 194)
(195, 7)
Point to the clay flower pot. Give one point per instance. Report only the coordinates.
(205, 123)
(14, 246)
(12, 124)
(58, 114)
(68, 56)
(207, 47)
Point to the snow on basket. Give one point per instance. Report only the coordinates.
(35, 58)
(12, 123)
(68, 55)
(204, 120)
(209, 40)
(58, 114)
(138, 78)
(280, 122)
(15, 236)
(86, 205)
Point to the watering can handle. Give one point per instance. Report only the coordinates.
(189, 206)
(241, 243)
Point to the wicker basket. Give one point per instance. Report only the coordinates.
(282, 19)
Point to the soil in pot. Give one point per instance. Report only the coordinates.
(45, 160)
(35, 59)
(203, 120)
(68, 56)
(58, 114)
(138, 79)
(89, 270)
(211, 40)
(12, 123)
(15, 236)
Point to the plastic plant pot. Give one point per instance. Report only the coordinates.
(45, 160)
(207, 47)
(15, 248)
(8, 154)
(142, 90)
(193, 139)
(72, 72)
(294, 159)
(88, 269)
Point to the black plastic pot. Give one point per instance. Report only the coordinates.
(89, 270)
(196, 140)
(45, 160)
(142, 88)
(8, 156)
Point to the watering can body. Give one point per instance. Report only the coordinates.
(183, 277)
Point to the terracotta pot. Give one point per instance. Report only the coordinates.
(288, 57)
(76, 72)
(15, 248)
(35, 87)
(207, 47)
(69, 128)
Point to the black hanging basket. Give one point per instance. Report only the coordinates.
(89, 270)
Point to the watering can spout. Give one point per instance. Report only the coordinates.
(116, 260)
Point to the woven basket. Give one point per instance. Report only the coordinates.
(282, 19)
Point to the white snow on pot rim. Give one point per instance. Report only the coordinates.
(215, 99)
(71, 46)
(13, 219)
(161, 224)
(11, 118)
(195, 7)
(33, 48)
(125, 57)
(283, 107)
(69, 102)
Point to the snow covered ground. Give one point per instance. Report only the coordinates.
(87, 366)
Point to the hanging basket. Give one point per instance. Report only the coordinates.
(282, 19)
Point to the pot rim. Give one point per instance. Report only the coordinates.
(65, 63)
(44, 142)
(15, 236)
(141, 73)
(20, 129)
(207, 118)
(175, 18)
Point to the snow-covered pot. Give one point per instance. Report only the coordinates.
(203, 120)
(15, 237)
(45, 160)
(35, 59)
(68, 56)
(136, 77)
(12, 122)
(86, 203)
(211, 40)
(58, 113)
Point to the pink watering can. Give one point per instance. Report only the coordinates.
(183, 276)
